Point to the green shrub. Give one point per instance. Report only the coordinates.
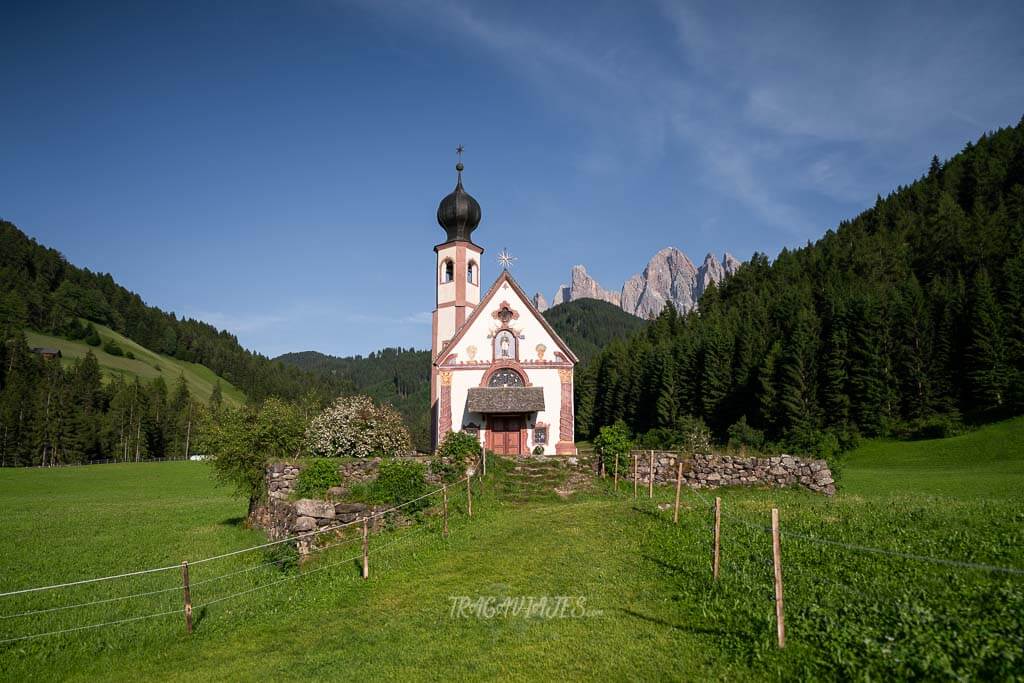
(400, 481)
(129, 355)
(285, 556)
(92, 338)
(112, 348)
(457, 448)
(742, 435)
(688, 435)
(538, 450)
(314, 479)
(826, 445)
(659, 438)
(613, 443)
(936, 427)
(75, 330)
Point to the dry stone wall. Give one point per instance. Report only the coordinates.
(713, 471)
(282, 476)
(282, 517)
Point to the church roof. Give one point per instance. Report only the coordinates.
(507, 277)
(505, 399)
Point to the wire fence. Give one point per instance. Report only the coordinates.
(455, 493)
(754, 563)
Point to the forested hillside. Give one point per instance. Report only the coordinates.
(588, 325)
(904, 320)
(400, 377)
(40, 290)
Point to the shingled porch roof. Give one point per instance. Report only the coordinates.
(505, 399)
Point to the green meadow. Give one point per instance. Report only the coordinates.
(943, 602)
(147, 365)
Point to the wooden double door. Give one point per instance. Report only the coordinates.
(505, 434)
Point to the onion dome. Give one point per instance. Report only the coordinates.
(458, 213)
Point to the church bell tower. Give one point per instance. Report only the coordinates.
(456, 273)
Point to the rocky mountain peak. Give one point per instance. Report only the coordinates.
(539, 302)
(669, 276)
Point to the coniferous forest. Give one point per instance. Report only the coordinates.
(50, 414)
(907, 320)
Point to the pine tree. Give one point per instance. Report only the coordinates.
(766, 396)
(987, 371)
(835, 376)
(867, 369)
(913, 336)
(86, 406)
(795, 374)
(1014, 307)
(668, 395)
(714, 371)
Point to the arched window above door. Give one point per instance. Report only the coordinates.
(506, 377)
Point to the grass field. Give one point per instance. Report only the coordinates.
(850, 613)
(147, 365)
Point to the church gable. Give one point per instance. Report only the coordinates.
(506, 327)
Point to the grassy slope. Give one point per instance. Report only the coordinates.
(989, 462)
(146, 365)
(847, 613)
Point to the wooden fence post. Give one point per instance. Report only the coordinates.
(636, 472)
(188, 596)
(718, 537)
(366, 547)
(780, 621)
(444, 491)
(616, 473)
(679, 486)
(650, 478)
(469, 496)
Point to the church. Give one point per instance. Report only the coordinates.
(499, 371)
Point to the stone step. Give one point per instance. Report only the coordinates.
(537, 469)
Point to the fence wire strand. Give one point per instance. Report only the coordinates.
(229, 554)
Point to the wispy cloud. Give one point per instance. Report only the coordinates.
(637, 107)
(780, 110)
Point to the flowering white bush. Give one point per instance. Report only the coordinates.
(356, 426)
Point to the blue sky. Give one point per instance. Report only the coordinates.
(274, 168)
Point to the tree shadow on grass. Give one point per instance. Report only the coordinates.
(233, 521)
(679, 627)
(677, 569)
(656, 514)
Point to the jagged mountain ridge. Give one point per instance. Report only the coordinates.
(669, 276)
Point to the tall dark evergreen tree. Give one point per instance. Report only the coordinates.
(987, 371)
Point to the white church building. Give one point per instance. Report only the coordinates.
(499, 370)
